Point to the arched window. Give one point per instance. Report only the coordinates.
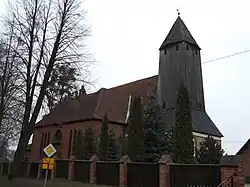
(45, 140)
(177, 47)
(58, 136)
(41, 144)
(163, 105)
(165, 51)
(74, 141)
(70, 143)
(48, 140)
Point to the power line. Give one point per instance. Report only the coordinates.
(234, 141)
(228, 56)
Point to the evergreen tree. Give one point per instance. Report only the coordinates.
(104, 138)
(152, 111)
(210, 152)
(152, 151)
(123, 141)
(183, 149)
(168, 137)
(155, 142)
(89, 146)
(112, 146)
(122, 145)
(135, 146)
(78, 147)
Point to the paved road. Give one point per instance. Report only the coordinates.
(247, 185)
(39, 183)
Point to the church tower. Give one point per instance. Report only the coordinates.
(180, 62)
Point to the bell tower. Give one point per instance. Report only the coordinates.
(180, 62)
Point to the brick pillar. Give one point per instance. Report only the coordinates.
(71, 168)
(123, 170)
(27, 174)
(93, 161)
(240, 174)
(227, 172)
(236, 171)
(164, 171)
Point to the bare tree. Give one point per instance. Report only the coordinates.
(49, 33)
(11, 105)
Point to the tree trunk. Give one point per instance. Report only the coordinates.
(20, 152)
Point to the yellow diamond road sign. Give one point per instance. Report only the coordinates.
(49, 150)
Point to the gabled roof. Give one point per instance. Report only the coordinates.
(244, 147)
(178, 33)
(113, 101)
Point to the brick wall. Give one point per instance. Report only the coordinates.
(65, 129)
(245, 157)
(227, 171)
(235, 171)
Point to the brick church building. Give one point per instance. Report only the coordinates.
(180, 62)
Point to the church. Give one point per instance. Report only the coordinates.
(179, 62)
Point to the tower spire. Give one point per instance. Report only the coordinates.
(178, 33)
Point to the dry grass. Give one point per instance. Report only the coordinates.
(25, 182)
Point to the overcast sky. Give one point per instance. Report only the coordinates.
(128, 33)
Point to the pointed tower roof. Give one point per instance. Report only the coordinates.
(178, 33)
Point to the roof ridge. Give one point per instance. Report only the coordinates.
(132, 82)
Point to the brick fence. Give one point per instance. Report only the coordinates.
(118, 173)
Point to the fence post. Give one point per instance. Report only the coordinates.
(27, 174)
(1, 169)
(240, 174)
(92, 173)
(164, 171)
(71, 168)
(226, 171)
(123, 170)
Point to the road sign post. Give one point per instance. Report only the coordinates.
(48, 163)
(46, 178)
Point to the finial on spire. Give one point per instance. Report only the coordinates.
(178, 12)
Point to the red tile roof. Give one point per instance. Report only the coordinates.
(113, 101)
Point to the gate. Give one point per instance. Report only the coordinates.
(62, 169)
(195, 175)
(142, 174)
(5, 168)
(107, 173)
(34, 169)
(82, 169)
(24, 168)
